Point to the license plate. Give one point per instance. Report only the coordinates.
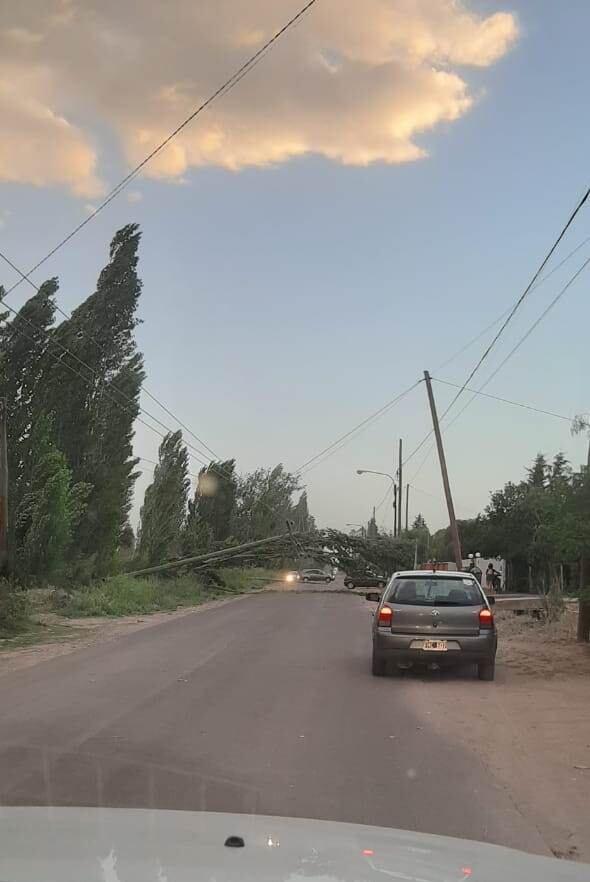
(435, 646)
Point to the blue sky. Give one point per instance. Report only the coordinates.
(282, 305)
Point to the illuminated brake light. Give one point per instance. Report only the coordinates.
(385, 616)
(486, 619)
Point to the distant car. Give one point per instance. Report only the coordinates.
(434, 618)
(315, 576)
(293, 576)
(365, 580)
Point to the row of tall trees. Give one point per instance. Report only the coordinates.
(72, 392)
(225, 507)
(540, 524)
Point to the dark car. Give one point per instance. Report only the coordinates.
(435, 619)
(315, 576)
(365, 580)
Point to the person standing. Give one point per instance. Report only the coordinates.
(490, 574)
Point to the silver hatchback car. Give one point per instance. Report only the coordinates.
(433, 618)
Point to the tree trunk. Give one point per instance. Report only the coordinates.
(583, 605)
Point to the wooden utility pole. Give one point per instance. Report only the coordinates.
(445, 476)
(401, 491)
(394, 510)
(584, 603)
(407, 504)
(3, 489)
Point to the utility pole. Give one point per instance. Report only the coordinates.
(3, 489)
(401, 491)
(394, 510)
(407, 504)
(443, 467)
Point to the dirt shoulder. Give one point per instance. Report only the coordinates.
(56, 635)
(531, 727)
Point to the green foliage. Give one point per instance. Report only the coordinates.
(93, 394)
(420, 533)
(383, 555)
(14, 610)
(538, 474)
(197, 535)
(49, 509)
(215, 498)
(24, 341)
(264, 503)
(84, 375)
(125, 595)
(303, 522)
(164, 507)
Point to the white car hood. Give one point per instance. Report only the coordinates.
(137, 845)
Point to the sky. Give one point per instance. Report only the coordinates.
(378, 190)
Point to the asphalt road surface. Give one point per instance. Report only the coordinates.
(263, 705)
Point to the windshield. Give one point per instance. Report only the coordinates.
(430, 591)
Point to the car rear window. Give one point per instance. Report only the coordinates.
(430, 591)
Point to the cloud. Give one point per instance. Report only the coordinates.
(354, 82)
(134, 196)
(37, 145)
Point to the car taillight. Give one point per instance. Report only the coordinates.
(486, 618)
(385, 617)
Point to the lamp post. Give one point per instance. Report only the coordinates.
(393, 484)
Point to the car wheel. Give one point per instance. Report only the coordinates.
(378, 666)
(349, 585)
(305, 579)
(381, 585)
(486, 671)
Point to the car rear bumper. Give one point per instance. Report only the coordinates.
(461, 649)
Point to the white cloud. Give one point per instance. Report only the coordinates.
(355, 82)
(134, 196)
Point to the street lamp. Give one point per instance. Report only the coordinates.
(393, 484)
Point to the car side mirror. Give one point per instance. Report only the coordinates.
(373, 596)
(492, 601)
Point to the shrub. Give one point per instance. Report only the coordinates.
(14, 610)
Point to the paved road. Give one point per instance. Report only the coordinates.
(263, 705)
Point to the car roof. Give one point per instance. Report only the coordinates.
(445, 574)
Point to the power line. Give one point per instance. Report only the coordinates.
(155, 464)
(425, 492)
(226, 87)
(423, 461)
(532, 286)
(216, 469)
(537, 322)
(344, 439)
(387, 493)
(86, 380)
(201, 457)
(521, 341)
(229, 84)
(521, 298)
(507, 315)
(558, 416)
(506, 311)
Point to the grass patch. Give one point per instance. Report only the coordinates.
(14, 611)
(40, 633)
(124, 595)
